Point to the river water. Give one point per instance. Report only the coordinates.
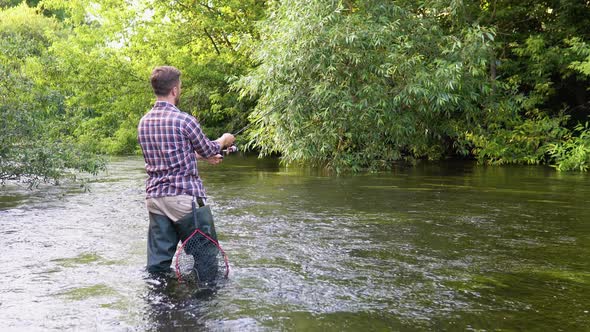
(451, 246)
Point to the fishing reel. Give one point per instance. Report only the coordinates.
(229, 149)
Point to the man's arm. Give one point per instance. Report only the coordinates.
(202, 145)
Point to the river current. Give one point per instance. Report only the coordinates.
(452, 246)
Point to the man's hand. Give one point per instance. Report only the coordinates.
(226, 140)
(213, 160)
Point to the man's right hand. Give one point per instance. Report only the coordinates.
(226, 140)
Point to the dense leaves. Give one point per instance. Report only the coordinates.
(366, 84)
(31, 146)
(351, 85)
(356, 84)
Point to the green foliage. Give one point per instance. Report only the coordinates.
(581, 49)
(355, 85)
(523, 141)
(348, 84)
(542, 54)
(208, 40)
(532, 48)
(14, 3)
(573, 153)
(31, 150)
(364, 85)
(104, 63)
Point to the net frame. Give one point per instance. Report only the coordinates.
(221, 257)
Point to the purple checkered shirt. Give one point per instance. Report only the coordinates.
(169, 139)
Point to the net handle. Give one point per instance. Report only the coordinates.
(216, 243)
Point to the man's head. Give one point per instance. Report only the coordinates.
(166, 82)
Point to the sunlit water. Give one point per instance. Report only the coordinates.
(438, 247)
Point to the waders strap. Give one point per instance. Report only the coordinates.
(203, 218)
(199, 201)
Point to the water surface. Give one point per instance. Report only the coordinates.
(450, 246)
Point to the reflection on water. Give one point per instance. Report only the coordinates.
(445, 247)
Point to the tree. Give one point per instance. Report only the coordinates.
(359, 84)
(346, 84)
(352, 84)
(104, 64)
(210, 41)
(537, 48)
(31, 149)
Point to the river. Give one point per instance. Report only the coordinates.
(451, 246)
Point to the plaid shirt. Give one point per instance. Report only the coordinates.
(169, 139)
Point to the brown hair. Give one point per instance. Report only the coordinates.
(163, 79)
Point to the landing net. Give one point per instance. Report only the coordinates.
(201, 260)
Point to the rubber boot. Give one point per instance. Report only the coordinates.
(161, 244)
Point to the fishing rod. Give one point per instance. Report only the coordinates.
(233, 148)
(243, 128)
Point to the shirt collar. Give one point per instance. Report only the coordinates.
(166, 105)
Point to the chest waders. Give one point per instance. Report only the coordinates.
(163, 237)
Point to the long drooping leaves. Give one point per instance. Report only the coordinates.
(346, 84)
(365, 83)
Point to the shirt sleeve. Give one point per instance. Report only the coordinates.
(201, 144)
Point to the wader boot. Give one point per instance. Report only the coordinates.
(161, 244)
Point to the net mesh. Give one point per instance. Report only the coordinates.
(201, 260)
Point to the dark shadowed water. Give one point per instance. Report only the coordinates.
(437, 247)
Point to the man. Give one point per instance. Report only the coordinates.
(170, 141)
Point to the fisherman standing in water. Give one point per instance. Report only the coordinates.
(170, 141)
